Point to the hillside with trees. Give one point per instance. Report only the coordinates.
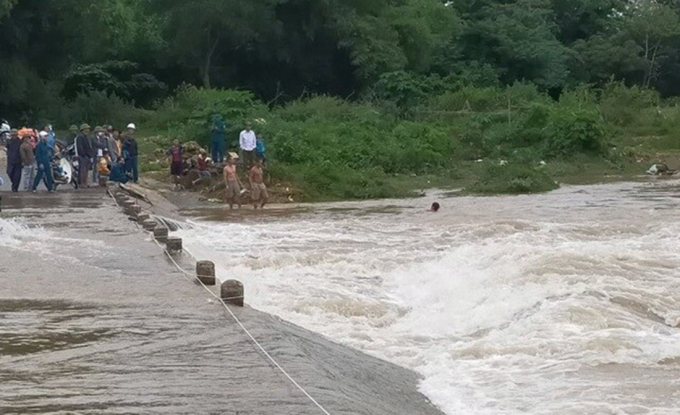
(363, 86)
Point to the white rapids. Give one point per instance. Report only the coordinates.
(564, 303)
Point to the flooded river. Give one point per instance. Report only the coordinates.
(95, 320)
(563, 303)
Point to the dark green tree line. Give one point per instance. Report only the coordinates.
(54, 51)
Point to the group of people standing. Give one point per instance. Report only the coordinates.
(107, 152)
(252, 157)
(251, 145)
(29, 157)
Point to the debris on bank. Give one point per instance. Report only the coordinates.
(660, 169)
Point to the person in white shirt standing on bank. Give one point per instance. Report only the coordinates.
(248, 143)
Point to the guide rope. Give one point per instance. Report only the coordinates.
(191, 276)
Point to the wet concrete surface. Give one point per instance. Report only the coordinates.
(94, 319)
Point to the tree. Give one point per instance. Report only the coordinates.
(652, 26)
(518, 37)
(199, 28)
(6, 6)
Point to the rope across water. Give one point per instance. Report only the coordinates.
(191, 276)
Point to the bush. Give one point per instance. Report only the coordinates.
(572, 131)
(187, 115)
(512, 179)
(95, 108)
(328, 130)
(622, 105)
(329, 181)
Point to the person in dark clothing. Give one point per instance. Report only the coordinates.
(84, 154)
(218, 138)
(72, 134)
(99, 144)
(43, 156)
(118, 173)
(130, 153)
(14, 164)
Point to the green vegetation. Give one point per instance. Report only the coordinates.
(513, 179)
(364, 99)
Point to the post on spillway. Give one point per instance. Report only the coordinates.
(205, 272)
(231, 292)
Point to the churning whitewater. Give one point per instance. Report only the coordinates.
(564, 303)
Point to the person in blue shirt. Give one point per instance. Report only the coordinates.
(260, 151)
(51, 137)
(118, 173)
(43, 157)
(218, 138)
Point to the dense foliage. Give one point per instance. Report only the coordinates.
(351, 93)
(142, 50)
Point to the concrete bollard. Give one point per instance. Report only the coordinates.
(174, 245)
(149, 224)
(135, 210)
(205, 271)
(231, 292)
(160, 233)
(142, 217)
(127, 204)
(103, 181)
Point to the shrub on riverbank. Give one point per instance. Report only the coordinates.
(512, 179)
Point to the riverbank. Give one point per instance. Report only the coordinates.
(97, 320)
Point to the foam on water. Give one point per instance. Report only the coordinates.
(504, 309)
(14, 232)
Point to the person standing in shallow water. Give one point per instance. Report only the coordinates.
(257, 187)
(233, 184)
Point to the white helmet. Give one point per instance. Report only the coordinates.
(43, 134)
(131, 126)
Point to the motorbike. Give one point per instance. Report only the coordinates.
(64, 169)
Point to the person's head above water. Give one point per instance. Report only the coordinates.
(435, 207)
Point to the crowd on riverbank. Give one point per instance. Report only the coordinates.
(87, 156)
(39, 156)
(250, 155)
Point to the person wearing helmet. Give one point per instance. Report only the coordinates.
(4, 131)
(51, 137)
(130, 152)
(72, 134)
(84, 153)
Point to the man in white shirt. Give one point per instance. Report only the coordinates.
(248, 143)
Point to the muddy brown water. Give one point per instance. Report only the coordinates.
(95, 320)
